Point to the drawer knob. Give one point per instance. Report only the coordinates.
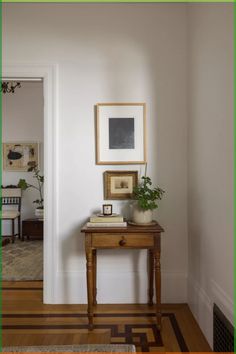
(122, 242)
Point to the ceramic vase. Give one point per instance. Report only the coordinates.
(141, 216)
(39, 213)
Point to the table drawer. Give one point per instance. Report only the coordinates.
(122, 240)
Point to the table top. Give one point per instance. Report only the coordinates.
(33, 220)
(128, 229)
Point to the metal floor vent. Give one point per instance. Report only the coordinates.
(223, 332)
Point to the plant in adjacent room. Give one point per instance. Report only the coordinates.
(39, 184)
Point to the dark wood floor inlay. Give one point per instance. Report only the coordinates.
(25, 289)
(139, 339)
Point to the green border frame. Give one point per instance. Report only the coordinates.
(234, 86)
(118, 1)
(123, 1)
(1, 178)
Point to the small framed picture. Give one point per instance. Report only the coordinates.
(119, 184)
(17, 156)
(107, 209)
(120, 133)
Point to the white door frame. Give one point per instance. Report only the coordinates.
(49, 74)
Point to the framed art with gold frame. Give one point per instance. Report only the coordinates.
(119, 184)
(120, 133)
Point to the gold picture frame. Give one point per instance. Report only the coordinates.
(120, 133)
(119, 185)
(17, 156)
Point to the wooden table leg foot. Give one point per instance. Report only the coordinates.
(158, 316)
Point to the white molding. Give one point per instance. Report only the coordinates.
(201, 292)
(119, 287)
(49, 73)
(202, 308)
(201, 305)
(222, 300)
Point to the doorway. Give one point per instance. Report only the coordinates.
(22, 176)
(48, 74)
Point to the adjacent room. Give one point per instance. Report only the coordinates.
(127, 111)
(22, 180)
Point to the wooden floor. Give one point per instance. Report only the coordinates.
(26, 321)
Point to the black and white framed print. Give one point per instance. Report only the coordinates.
(121, 133)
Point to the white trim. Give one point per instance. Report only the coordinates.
(25, 79)
(201, 307)
(49, 74)
(201, 292)
(222, 300)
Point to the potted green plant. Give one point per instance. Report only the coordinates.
(146, 197)
(39, 187)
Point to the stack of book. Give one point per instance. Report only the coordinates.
(100, 220)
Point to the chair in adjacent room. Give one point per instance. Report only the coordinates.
(11, 209)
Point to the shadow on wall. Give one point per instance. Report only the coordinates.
(114, 91)
(139, 68)
(72, 247)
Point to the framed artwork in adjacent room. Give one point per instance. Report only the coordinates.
(120, 133)
(119, 184)
(18, 156)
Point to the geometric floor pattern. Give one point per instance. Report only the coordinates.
(22, 260)
(27, 321)
(145, 336)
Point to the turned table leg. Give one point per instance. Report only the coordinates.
(89, 258)
(150, 277)
(94, 277)
(157, 269)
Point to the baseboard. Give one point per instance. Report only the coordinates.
(202, 308)
(201, 305)
(223, 301)
(122, 287)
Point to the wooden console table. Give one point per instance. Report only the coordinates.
(130, 237)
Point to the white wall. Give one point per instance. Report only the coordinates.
(210, 193)
(22, 121)
(111, 53)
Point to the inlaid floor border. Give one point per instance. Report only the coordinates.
(138, 339)
(26, 289)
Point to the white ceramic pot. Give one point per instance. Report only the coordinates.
(39, 213)
(141, 216)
